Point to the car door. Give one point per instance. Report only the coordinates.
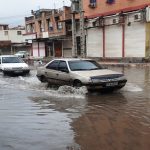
(51, 72)
(63, 74)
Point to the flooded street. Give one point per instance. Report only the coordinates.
(36, 117)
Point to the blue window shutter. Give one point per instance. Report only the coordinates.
(110, 1)
(92, 1)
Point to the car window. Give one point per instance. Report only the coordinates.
(84, 65)
(62, 66)
(0, 60)
(11, 60)
(53, 65)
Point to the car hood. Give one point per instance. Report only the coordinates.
(14, 65)
(19, 54)
(93, 73)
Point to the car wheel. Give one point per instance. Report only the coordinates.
(4, 73)
(77, 83)
(43, 79)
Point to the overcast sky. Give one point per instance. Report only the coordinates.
(12, 12)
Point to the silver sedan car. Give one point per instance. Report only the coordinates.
(80, 72)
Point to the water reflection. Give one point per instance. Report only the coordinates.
(34, 116)
(119, 120)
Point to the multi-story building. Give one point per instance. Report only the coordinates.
(11, 39)
(49, 30)
(117, 28)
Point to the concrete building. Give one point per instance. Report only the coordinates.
(49, 31)
(11, 39)
(117, 28)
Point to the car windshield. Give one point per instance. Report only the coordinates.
(84, 65)
(11, 60)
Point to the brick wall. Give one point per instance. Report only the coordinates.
(103, 8)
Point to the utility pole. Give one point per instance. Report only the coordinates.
(74, 40)
(77, 8)
(82, 31)
(74, 11)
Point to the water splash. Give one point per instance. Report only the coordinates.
(130, 87)
(67, 92)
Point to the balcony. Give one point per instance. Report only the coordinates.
(29, 19)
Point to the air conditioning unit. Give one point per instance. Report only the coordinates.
(148, 14)
(90, 24)
(99, 23)
(115, 21)
(138, 17)
(102, 22)
(45, 35)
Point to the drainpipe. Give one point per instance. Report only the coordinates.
(104, 48)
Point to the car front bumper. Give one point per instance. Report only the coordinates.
(25, 71)
(106, 85)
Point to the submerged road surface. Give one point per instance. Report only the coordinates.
(36, 117)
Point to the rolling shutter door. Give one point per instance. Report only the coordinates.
(95, 43)
(42, 49)
(35, 49)
(135, 40)
(113, 41)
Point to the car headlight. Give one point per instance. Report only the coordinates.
(26, 68)
(95, 80)
(8, 68)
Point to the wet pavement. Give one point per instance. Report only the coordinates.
(36, 117)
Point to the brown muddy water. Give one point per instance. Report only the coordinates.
(35, 117)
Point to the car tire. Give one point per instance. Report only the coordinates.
(4, 73)
(43, 79)
(77, 83)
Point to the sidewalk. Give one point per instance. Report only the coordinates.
(118, 64)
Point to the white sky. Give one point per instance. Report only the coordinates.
(12, 12)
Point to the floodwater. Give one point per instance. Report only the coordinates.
(36, 117)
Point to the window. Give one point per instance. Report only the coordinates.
(63, 66)
(60, 26)
(92, 3)
(49, 25)
(5, 32)
(110, 1)
(19, 32)
(58, 23)
(53, 65)
(11, 60)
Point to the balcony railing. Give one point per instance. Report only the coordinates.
(29, 18)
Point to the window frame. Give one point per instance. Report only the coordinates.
(49, 65)
(19, 33)
(65, 69)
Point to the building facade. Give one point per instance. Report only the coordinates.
(49, 31)
(117, 28)
(11, 39)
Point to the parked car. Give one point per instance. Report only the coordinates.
(80, 72)
(11, 64)
(22, 54)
